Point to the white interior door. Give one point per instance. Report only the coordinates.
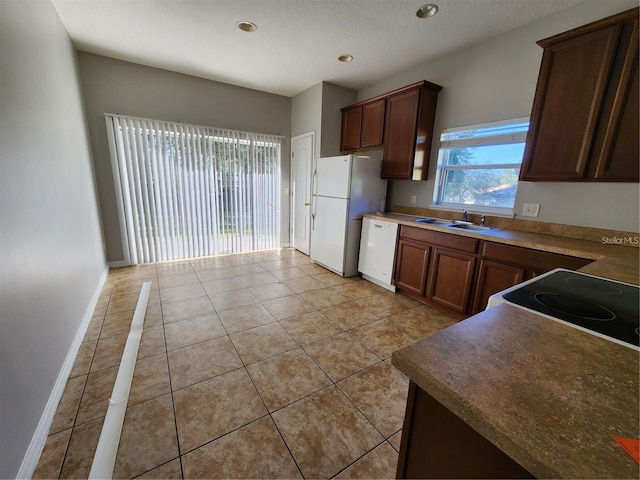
(301, 164)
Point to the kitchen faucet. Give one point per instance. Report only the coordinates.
(464, 215)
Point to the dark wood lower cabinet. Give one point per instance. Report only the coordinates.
(438, 444)
(451, 279)
(458, 274)
(413, 263)
(503, 266)
(494, 277)
(436, 268)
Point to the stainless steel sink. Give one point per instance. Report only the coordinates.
(434, 221)
(453, 224)
(469, 226)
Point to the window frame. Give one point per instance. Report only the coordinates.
(447, 143)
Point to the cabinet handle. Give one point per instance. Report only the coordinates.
(377, 226)
(306, 204)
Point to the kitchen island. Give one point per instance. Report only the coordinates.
(523, 395)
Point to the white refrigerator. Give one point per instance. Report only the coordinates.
(344, 188)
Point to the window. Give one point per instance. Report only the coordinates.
(187, 191)
(479, 165)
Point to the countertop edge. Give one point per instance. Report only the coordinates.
(617, 262)
(466, 411)
(449, 384)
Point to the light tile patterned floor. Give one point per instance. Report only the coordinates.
(260, 365)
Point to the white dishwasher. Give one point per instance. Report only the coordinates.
(378, 251)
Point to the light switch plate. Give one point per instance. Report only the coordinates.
(413, 199)
(530, 209)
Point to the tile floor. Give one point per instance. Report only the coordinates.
(260, 365)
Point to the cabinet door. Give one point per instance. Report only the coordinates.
(411, 267)
(572, 83)
(401, 120)
(451, 279)
(494, 277)
(616, 154)
(372, 123)
(351, 127)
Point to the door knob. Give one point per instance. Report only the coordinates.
(306, 204)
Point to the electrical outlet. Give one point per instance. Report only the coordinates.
(530, 209)
(413, 199)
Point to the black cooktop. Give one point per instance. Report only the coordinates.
(596, 304)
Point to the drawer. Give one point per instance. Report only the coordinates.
(526, 257)
(446, 240)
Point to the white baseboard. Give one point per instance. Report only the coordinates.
(285, 245)
(31, 457)
(119, 264)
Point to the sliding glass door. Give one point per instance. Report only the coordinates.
(187, 191)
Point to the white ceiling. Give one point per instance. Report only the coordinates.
(297, 42)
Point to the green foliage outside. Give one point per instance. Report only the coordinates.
(234, 168)
(489, 187)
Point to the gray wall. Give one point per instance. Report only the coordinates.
(114, 86)
(334, 98)
(317, 109)
(52, 256)
(496, 80)
(306, 114)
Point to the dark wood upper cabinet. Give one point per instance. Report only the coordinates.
(372, 123)
(584, 121)
(615, 153)
(399, 142)
(351, 127)
(408, 134)
(362, 125)
(401, 122)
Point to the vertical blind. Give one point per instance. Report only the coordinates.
(187, 191)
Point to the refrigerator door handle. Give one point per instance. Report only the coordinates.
(314, 195)
(314, 183)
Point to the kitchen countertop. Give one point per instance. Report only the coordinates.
(617, 262)
(550, 396)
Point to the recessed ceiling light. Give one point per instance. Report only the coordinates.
(426, 11)
(247, 26)
(345, 58)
